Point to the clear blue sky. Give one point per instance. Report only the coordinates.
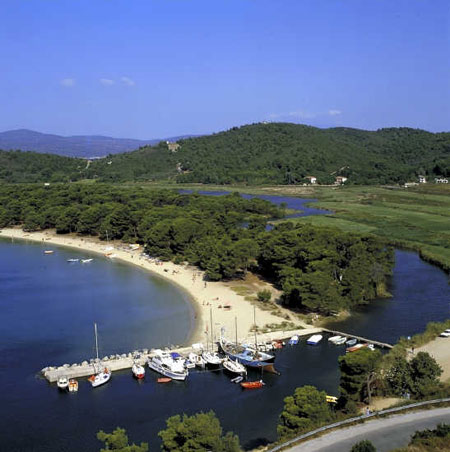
(157, 68)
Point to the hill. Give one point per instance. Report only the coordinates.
(88, 146)
(274, 153)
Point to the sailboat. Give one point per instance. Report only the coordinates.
(102, 376)
(211, 358)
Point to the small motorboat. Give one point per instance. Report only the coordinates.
(355, 348)
(252, 384)
(234, 367)
(138, 371)
(351, 342)
(86, 261)
(164, 380)
(48, 252)
(334, 339)
(237, 379)
(73, 385)
(315, 339)
(62, 383)
(197, 360)
(293, 340)
(72, 260)
(341, 341)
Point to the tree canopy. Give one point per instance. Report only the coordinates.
(118, 441)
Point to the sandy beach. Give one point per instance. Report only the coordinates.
(206, 296)
(439, 349)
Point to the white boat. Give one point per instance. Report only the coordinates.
(86, 261)
(314, 339)
(341, 341)
(62, 383)
(138, 371)
(197, 360)
(189, 364)
(212, 359)
(163, 363)
(334, 339)
(73, 260)
(234, 367)
(99, 377)
(445, 333)
(293, 340)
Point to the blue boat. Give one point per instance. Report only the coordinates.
(248, 356)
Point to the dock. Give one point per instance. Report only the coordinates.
(359, 338)
(126, 360)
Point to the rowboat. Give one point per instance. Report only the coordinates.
(355, 348)
(252, 384)
(164, 380)
(73, 385)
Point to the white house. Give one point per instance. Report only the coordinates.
(422, 179)
(340, 180)
(440, 180)
(312, 179)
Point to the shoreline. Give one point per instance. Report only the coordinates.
(202, 295)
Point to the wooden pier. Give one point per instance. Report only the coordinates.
(359, 338)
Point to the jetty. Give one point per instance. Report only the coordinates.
(126, 360)
(359, 338)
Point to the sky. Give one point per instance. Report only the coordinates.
(159, 68)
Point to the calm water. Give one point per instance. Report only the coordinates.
(48, 307)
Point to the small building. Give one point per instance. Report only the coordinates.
(422, 179)
(312, 179)
(172, 146)
(46, 184)
(340, 180)
(411, 184)
(440, 180)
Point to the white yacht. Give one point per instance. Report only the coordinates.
(62, 383)
(212, 359)
(99, 377)
(163, 363)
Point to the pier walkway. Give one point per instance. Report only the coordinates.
(362, 339)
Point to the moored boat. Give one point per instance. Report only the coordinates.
(163, 363)
(252, 384)
(247, 356)
(86, 261)
(341, 341)
(314, 339)
(197, 360)
(237, 379)
(164, 380)
(212, 359)
(138, 371)
(293, 340)
(352, 342)
(234, 367)
(48, 252)
(73, 385)
(334, 339)
(62, 383)
(355, 348)
(102, 377)
(73, 260)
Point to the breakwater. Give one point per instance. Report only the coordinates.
(126, 360)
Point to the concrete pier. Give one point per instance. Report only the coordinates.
(126, 360)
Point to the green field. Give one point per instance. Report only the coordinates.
(416, 218)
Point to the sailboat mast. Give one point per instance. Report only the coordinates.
(254, 322)
(96, 340)
(235, 328)
(212, 334)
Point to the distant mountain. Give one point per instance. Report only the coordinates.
(273, 153)
(74, 146)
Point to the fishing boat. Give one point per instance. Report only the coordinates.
(163, 363)
(62, 383)
(138, 371)
(234, 367)
(252, 384)
(351, 342)
(197, 360)
(73, 385)
(293, 340)
(48, 252)
(86, 261)
(73, 260)
(314, 339)
(99, 377)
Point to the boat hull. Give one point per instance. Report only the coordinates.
(167, 372)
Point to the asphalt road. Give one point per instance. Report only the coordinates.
(386, 434)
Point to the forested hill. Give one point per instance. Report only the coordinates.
(274, 153)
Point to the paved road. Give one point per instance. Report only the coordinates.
(386, 434)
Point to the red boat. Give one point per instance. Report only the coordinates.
(252, 384)
(164, 380)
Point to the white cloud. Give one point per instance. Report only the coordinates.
(67, 82)
(127, 81)
(334, 112)
(300, 114)
(106, 81)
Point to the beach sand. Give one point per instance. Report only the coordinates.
(206, 296)
(439, 349)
